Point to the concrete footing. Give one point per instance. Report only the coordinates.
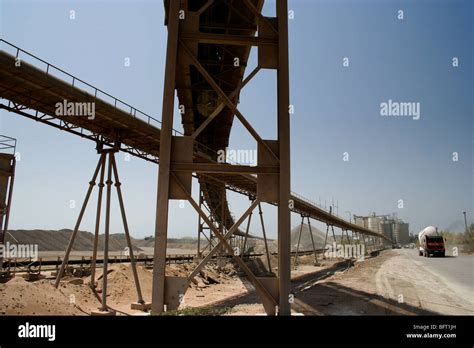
(146, 306)
(100, 313)
(6, 276)
(32, 277)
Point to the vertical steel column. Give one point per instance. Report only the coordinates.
(200, 229)
(97, 218)
(284, 218)
(465, 222)
(334, 235)
(347, 237)
(222, 223)
(312, 242)
(161, 224)
(325, 241)
(4, 223)
(107, 233)
(9, 202)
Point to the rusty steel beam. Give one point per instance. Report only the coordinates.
(223, 168)
(161, 227)
(284, 220)
(221, 39)
(218, 110)
(177, 165)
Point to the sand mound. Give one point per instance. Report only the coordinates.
(75, 297)
(19, 297)
(58, 240)
(305, 243)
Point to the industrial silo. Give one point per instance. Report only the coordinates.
(400, 231)
(386, 227)
(373, 223)
(360, 221)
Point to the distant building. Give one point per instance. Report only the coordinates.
(389, 225)
(400, 232)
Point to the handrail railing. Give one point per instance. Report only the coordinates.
(116, 101)
(133, 111)
(310, 202)
(7, 143)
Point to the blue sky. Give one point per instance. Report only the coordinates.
(337, 109)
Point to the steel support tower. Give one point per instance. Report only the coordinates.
(176, 152)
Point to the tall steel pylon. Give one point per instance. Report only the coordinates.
(185, 39)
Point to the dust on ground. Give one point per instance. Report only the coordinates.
(332, 287)
(74, 296)
(388, 284)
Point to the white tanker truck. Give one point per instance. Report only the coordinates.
(431, 242)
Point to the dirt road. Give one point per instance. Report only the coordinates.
(394, 283)
(439, 285)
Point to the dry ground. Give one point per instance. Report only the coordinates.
(74, 297)
(370, 287)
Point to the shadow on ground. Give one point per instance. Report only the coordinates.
(330, 298)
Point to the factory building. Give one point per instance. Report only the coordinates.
(389, 225)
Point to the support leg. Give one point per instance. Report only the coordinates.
(161, 226)
(347, 237)
(200, 230)
(312, 242)
(106, 236)
(365, 244)
(325, 241)
(97, 219)
(298, 244)
(284, 219)
(125, 226)
(334, 235)
(78, 223)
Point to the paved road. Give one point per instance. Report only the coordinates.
(438, 285)
(457, 271)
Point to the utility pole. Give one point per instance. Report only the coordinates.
(465, 223)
